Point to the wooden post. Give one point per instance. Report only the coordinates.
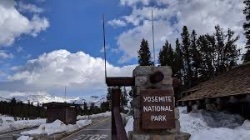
(116, 93)
(189, 106)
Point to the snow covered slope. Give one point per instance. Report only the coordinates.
(203, 125)
(45, 98)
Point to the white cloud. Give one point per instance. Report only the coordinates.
(29, 8)
(129, 41)
(102, 49)
(133, 2)
(2, 73)
(13, 24)
(117, 23)
(4, 55)
(19, 49)
(171, 15)
(78, 71)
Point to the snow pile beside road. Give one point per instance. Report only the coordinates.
(57, 127)
(94, 116)
(129, 125)
(8, 124)
(214, 125)
(203, 125)
(25, 138)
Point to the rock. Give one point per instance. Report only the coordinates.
(176, 113)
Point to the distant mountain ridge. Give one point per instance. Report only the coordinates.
(45, 98)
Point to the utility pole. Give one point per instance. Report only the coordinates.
(65, 93)
(153, 38)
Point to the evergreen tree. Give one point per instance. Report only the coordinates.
(207, 68)
(12, 107)
(124, 97)
(246, 56)
(226, 50)
(105, 106)
(166, 55)
(196, 57)
(108, 97)
(92, 108)
(186, 50)
(246, 27)
(178, 60)
(144, 55)
(85, 108)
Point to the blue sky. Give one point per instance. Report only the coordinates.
(49, 44)
(75, 26)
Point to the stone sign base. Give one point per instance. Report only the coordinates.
(171, 136)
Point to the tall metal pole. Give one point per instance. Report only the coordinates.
(153, 38)
(104, 47)
(65, 93)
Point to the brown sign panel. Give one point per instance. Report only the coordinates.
(157, 109)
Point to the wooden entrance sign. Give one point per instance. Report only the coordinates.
(157, 109)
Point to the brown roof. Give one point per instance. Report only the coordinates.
(233, 82)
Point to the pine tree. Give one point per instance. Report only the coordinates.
(246, 27)
(85, 108)
(144, 55)
(108, 97)
(178, 60)
(92, 108)
(226, 50)
(166, 55)
(124, 99)
(196, 57)
(206, 51)
(186, 57)
(247, 56)
(104, 106)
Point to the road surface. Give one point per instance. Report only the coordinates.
(9, 135)
(98, 130)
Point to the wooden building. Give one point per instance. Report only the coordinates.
(229, 91)
(65, 112)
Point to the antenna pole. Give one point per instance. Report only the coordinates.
(153, 38)
(104, 47)
(65, 93)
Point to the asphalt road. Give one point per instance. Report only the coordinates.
(9, 135)
(98, 130)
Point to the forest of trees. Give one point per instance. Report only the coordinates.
(195, 59)
(22, 110)
(123, 99)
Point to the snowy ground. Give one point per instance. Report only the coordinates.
(57, 127)
(8, 124)
(203, 125)
(94, 116)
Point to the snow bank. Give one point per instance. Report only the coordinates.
(203, 125)
(94, 116)
(129, 125)
(214, 125)
(8, 124)
(57, 127)
(25, 138)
